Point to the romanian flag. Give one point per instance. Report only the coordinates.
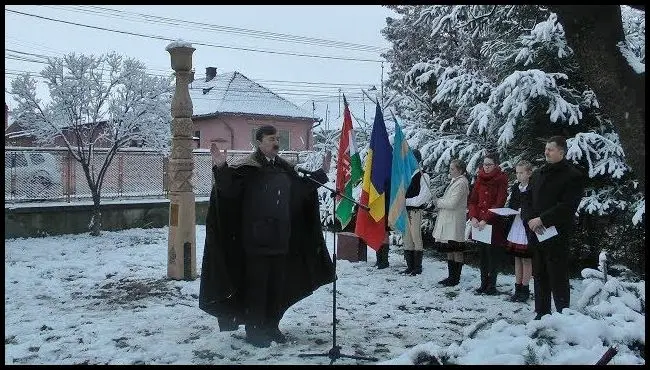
(371, 225)
(403, 168)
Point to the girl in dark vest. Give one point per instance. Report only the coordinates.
(517, 241)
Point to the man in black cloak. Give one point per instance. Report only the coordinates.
(264, 246)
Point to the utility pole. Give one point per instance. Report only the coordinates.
(181, 242)
(327, 119)
(339, 102)
(363, 98)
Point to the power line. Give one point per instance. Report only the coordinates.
(198, 78)
(195, 43)
(312, 95)
(136, 16)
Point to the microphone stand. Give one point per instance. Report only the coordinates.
(335, 352)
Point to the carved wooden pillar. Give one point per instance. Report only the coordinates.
(181, 258)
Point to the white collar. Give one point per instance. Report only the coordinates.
(522, 187)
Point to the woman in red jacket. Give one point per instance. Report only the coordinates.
(490, 190)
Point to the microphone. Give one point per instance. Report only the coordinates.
(302, 170)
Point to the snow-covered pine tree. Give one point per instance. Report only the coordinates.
(501, 77)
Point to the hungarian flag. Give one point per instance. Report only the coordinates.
(348, 169)
(371, 225)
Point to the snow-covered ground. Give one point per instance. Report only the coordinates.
(76, 299)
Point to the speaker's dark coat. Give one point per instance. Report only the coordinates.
(222, 290)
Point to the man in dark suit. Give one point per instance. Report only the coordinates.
(556, 190)
(264, 246)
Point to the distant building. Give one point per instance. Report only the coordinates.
(18, 135)
(229, 107)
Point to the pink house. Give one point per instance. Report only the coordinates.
(229, 107)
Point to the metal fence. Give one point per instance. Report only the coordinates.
(52, 174)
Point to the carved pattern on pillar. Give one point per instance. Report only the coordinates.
(181, 175)
(181, 237)
(182, 127)
(181, 148)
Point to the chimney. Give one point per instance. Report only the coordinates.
(210, 73)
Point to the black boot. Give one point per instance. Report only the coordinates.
(417, 263)
(382, 257)
(273, 333)
(452, 275)
(492, 284)
(409, 255)
(539, 315)
(515, 296)
(257, 336)
(456, 277)
(450, 269)
(524, 293)
(484, 282)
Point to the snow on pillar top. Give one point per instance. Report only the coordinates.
(178, 44)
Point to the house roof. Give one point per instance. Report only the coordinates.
(16, 129)
(235, 93)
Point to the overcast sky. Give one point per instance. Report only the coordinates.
(305, 29)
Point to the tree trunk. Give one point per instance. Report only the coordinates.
(96, 220)
(593, 31)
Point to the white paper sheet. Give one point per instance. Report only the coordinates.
(548, 233)
(504, 211)
(484, 236)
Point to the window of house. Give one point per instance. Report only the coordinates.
(284, 136)
(197, 139)
(19, 160)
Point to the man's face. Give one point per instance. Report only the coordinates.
(553, 153)
(269, 145)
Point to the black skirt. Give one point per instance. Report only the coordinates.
(518, 250)
(450, 247)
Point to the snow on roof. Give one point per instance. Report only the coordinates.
(235, 93)
(18, 134)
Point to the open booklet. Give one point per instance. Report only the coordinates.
(504, 211)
